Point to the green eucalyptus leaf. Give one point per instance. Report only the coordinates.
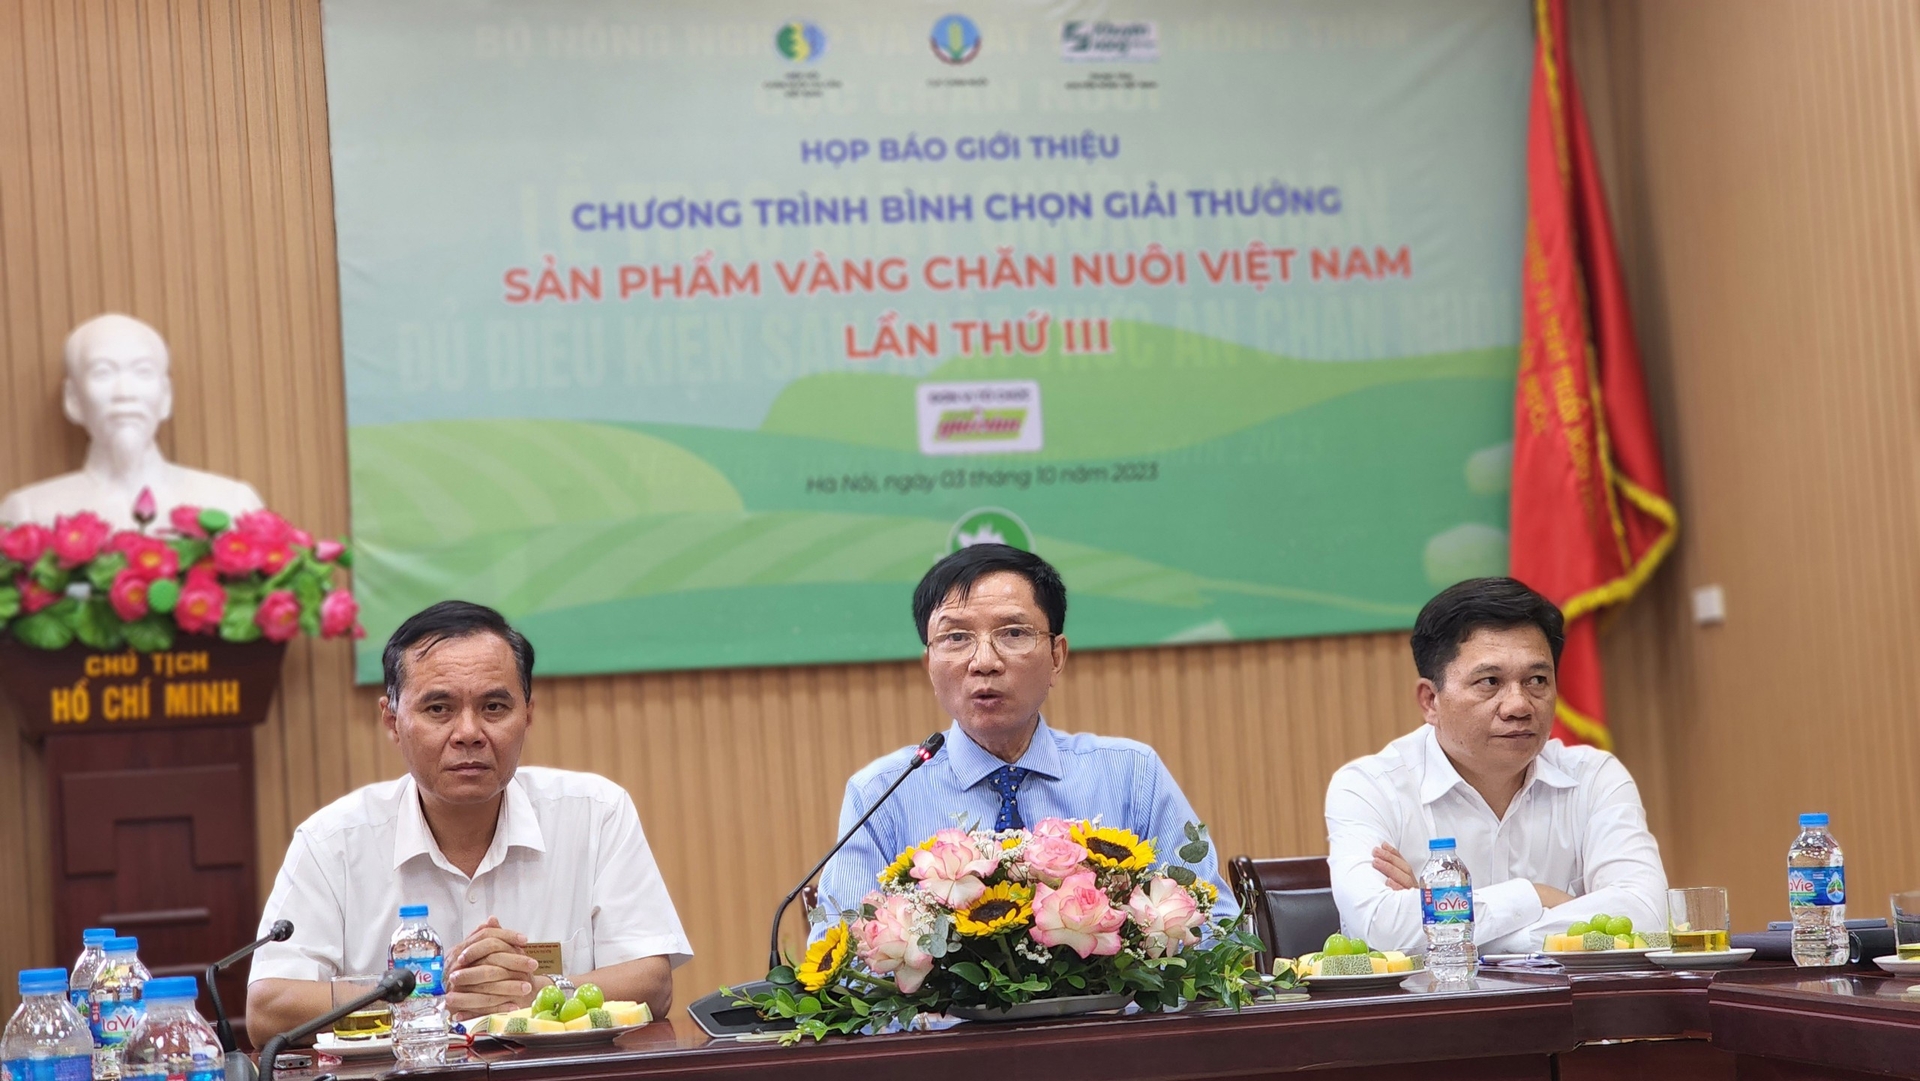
(1193, 831)
(1194, 852)
(1181, 875)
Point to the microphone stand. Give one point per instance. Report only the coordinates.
(279, 932)
(394, 986)
(921, 756)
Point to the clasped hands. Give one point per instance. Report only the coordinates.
(1400, 876)
(489, 972)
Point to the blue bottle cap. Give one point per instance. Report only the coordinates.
(1440, 844)
(408, 912)
(171, 987)
(43, 981)
(94, 936)
(121, 944)
(1808, 821)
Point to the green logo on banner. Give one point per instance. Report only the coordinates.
(989, 525)
(800, 41)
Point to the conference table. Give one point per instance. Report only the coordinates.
(1758, 1023)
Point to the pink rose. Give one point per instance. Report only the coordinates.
(129, 594)
(25, 543)
(78, 538)
(146, 557)
(1166, 915)
(888, 945)
(202, 603)
(1053, 858)
(1078, 915)
(338, 613)
(279, 615)
(235, 554)
(951, 868)
(32, 597)
(1054, 827)
(327, 551)
(264, 527)
(186, 521)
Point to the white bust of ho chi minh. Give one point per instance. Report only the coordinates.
(118, 389)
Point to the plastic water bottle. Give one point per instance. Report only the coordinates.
(1446, 908)
(1817, 894)
(419, 1020)
(80, 986)
(173, 1042)
(47, 1039)
(115, 1004)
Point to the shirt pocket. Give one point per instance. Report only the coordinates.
(576, 953)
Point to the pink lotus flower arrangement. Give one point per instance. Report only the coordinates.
(978, 920)
(203, 572)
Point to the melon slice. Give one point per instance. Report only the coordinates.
(1346, 965)
(1597, 940)
(537, 1025)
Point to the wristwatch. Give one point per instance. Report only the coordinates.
(564, 984)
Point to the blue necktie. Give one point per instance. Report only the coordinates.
(1006, 781)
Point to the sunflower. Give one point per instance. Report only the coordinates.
(895, 873)
(825, 958)
(1119, 850)
(1003, 906)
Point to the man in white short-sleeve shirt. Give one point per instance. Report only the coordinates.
(1551, 834)
(502, 856)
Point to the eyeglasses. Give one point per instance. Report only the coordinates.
(1013, 640)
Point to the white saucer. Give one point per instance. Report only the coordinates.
(1893, 964)
(1371, 980)
(367, 1048)
(1599, 960)
(1701, 961)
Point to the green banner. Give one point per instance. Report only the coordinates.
(691, 334)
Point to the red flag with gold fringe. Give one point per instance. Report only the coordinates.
(1590, 514)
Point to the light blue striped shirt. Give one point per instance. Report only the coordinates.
(1120, 781)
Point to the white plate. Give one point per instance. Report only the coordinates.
(1701, 960)
(1357, 983)
(1893, 964)
(1599, 960)
(369, 1047)
(583, 1038)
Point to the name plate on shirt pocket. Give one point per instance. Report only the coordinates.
(547, 954)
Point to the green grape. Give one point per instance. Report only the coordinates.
(1599, 921)
(549, 999)
(573, 1008)
(1336, 945)
(1580, 928)
(591, 994)
(1620, 925)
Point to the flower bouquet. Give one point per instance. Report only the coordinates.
(979, 922)
(208, 573)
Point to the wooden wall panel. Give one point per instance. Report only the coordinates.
(1761, 158)
(170, 160)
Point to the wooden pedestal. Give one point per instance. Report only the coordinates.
(148, 761)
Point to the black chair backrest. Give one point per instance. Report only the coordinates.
(1291, 901)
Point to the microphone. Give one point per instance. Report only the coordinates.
(921, 756)
(394, 986)
(279, 932)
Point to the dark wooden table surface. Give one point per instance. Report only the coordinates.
(1754, 1024)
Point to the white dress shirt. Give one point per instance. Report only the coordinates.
(569, 863)
(1575, 825)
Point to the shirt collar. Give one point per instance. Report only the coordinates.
(1440, 778)
(972, 763)
(517, 827)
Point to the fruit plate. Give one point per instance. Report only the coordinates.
(585, 1037)
(1369, 982)
(1701, 961)
(1599, 960)
(1892, 963)
(328, 1043)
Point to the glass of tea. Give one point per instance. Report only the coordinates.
(1697, 919)
(1905, 908)
(374, 1021)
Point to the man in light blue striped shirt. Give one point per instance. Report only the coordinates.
(993, 617)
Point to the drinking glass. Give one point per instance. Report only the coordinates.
(1697, 919)
(366, 1024)
(1905, 908)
